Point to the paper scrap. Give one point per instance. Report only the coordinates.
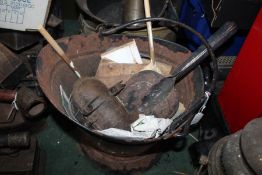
(126, 54)
(149, 126)
(144, 128)
(67, 105)
(197, 118)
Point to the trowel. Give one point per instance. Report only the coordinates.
(160, 90)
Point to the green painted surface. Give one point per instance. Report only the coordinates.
(65, 157)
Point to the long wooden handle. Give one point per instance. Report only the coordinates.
(149, 32)
(58, 49)
(54, 44)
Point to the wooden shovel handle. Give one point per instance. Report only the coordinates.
(54, 44)
(149, 31)
(58, 49)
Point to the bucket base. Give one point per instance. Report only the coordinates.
(120, 163)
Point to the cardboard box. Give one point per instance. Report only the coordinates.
(23, 14)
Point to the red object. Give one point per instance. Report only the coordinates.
(241, 97)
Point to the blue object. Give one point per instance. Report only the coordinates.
(192, 14)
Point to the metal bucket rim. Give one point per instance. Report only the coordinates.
(110, 138)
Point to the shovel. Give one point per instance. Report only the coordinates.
(159, 91)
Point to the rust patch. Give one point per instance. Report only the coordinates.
(118, 163)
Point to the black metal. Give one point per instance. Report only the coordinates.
(225, 64)
(215, 41)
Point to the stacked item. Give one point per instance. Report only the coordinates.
(239, 153)
(21, 106)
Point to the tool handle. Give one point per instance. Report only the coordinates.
(215, 41)
(149, 32)
(58, 49)
(54, 44)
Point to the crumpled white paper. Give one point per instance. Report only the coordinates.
(144, 127)
(149, 126)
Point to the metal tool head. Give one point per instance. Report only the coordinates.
(96, 107)
(138, 86)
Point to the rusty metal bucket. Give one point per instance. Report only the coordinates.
(85, 52)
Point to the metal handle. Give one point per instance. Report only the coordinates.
(215, 41)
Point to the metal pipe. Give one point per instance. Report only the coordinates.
(133, 9)
(7, 95)
(28, 102)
